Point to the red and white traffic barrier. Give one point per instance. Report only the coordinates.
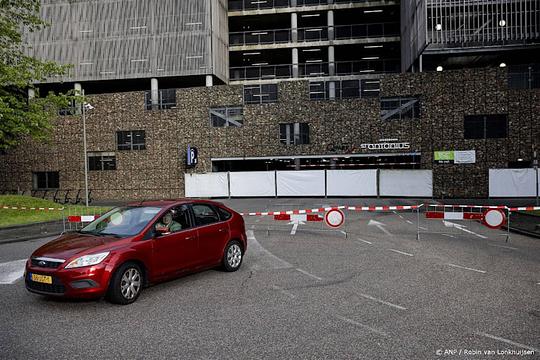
(300, 217)
(292, 212)
(383, 208)
(524, 208)
(326, 209)
(82, 218)
(29, 208)
(468, 206)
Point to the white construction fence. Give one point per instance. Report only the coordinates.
(513, 183)
(402, 183)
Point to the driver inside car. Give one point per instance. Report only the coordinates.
(167, 224)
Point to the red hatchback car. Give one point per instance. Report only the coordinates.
(133, 246)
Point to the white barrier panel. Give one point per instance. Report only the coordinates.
(351, 182)
(300, 183)
(206, 185)
(512, 183)
(411, 183)
(253, 183)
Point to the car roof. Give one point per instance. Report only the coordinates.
(170, 202)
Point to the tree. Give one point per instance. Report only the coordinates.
(20, 117)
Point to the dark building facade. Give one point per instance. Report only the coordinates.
(138, 152)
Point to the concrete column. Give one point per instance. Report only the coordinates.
(154, 93)
(209, 81)
(331, 90)
(330, 25)
(78, 91)
(331, 61)
(31, 94)
(294, 27)
(297, 164)
(294, 3)
(295, 72)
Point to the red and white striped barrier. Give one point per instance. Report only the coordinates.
(292, 212)
(300, 217)
(82, 218)
(468, 206)
(30, 208)
(383, 208)
(524, 208)
(326, 209)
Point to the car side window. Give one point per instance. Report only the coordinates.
(224, 214)
(174, 220)
(204, 214)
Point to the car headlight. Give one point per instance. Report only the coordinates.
(87, 260)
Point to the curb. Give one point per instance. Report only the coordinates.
(28, 238)
(524, 232)
(14, 227)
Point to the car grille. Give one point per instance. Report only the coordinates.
(55, 288)
(45, 263)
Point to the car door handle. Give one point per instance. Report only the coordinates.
(189, 238)
(222, 230)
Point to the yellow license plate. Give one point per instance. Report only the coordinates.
(42, 278)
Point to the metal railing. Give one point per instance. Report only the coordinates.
(319, 33)
(306, 70)
(261, 72)
(241, 5)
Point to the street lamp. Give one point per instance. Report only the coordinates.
(535, 165)
(85, 106)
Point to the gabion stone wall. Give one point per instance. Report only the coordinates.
(158, 171)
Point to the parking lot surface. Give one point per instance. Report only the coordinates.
(367, 290)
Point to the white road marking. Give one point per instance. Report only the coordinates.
(448, 235)
(400, 252)
(294, 228)
(283, 291)
(398, 214)
(11, 271)
(309, 274)
(462, 228)
(504, 247)
(423, 228)
(365, 241)
(380, 226)
(258, 220)
(356, 323)
(261, 255)
(382, 301)
(467, 268)
(510, 342)
(409, 222)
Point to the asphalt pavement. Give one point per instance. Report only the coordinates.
(368, 290)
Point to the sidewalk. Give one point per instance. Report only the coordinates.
(30, 231)
(525, 224)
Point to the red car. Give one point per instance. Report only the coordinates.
(133, 246)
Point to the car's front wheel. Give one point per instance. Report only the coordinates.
(232, 256)
(126, 284)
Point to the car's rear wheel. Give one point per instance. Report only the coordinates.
(232, 256)
(126, 284)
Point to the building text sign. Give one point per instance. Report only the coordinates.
(387, 144)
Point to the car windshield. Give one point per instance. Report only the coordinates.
(122, 221)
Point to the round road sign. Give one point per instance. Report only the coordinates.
(494, 218)
(334, 218)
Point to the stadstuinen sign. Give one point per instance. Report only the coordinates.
(387, 144)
